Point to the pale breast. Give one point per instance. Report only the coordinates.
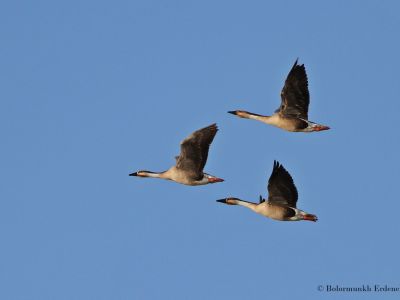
(182, 176)
(286, 123)
(274, 211)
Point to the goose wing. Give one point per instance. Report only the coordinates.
(295, 97)
(194, 151)
(281, 188)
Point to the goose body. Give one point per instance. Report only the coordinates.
(282, 199)
(190, 163)
(292, 115)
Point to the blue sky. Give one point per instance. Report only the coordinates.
(94, 90)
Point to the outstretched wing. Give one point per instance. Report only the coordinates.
(294, 95)
(281, 188)
(194, 150)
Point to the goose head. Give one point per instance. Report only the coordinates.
(229, 201)
(144, 173)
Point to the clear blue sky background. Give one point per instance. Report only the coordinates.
(94, 90)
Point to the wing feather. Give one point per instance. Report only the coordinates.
(194, 150)
(281, 188)
(295, 97)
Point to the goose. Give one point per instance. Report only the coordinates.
(282, 198)
(191, 161)
(292, 115)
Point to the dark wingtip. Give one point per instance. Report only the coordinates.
(214, 126)
(233, 112)
(296, 63)
(133, 174)
(222, 200)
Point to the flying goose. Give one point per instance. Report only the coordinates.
(282, 198)
(191, 161)
(292, 115)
